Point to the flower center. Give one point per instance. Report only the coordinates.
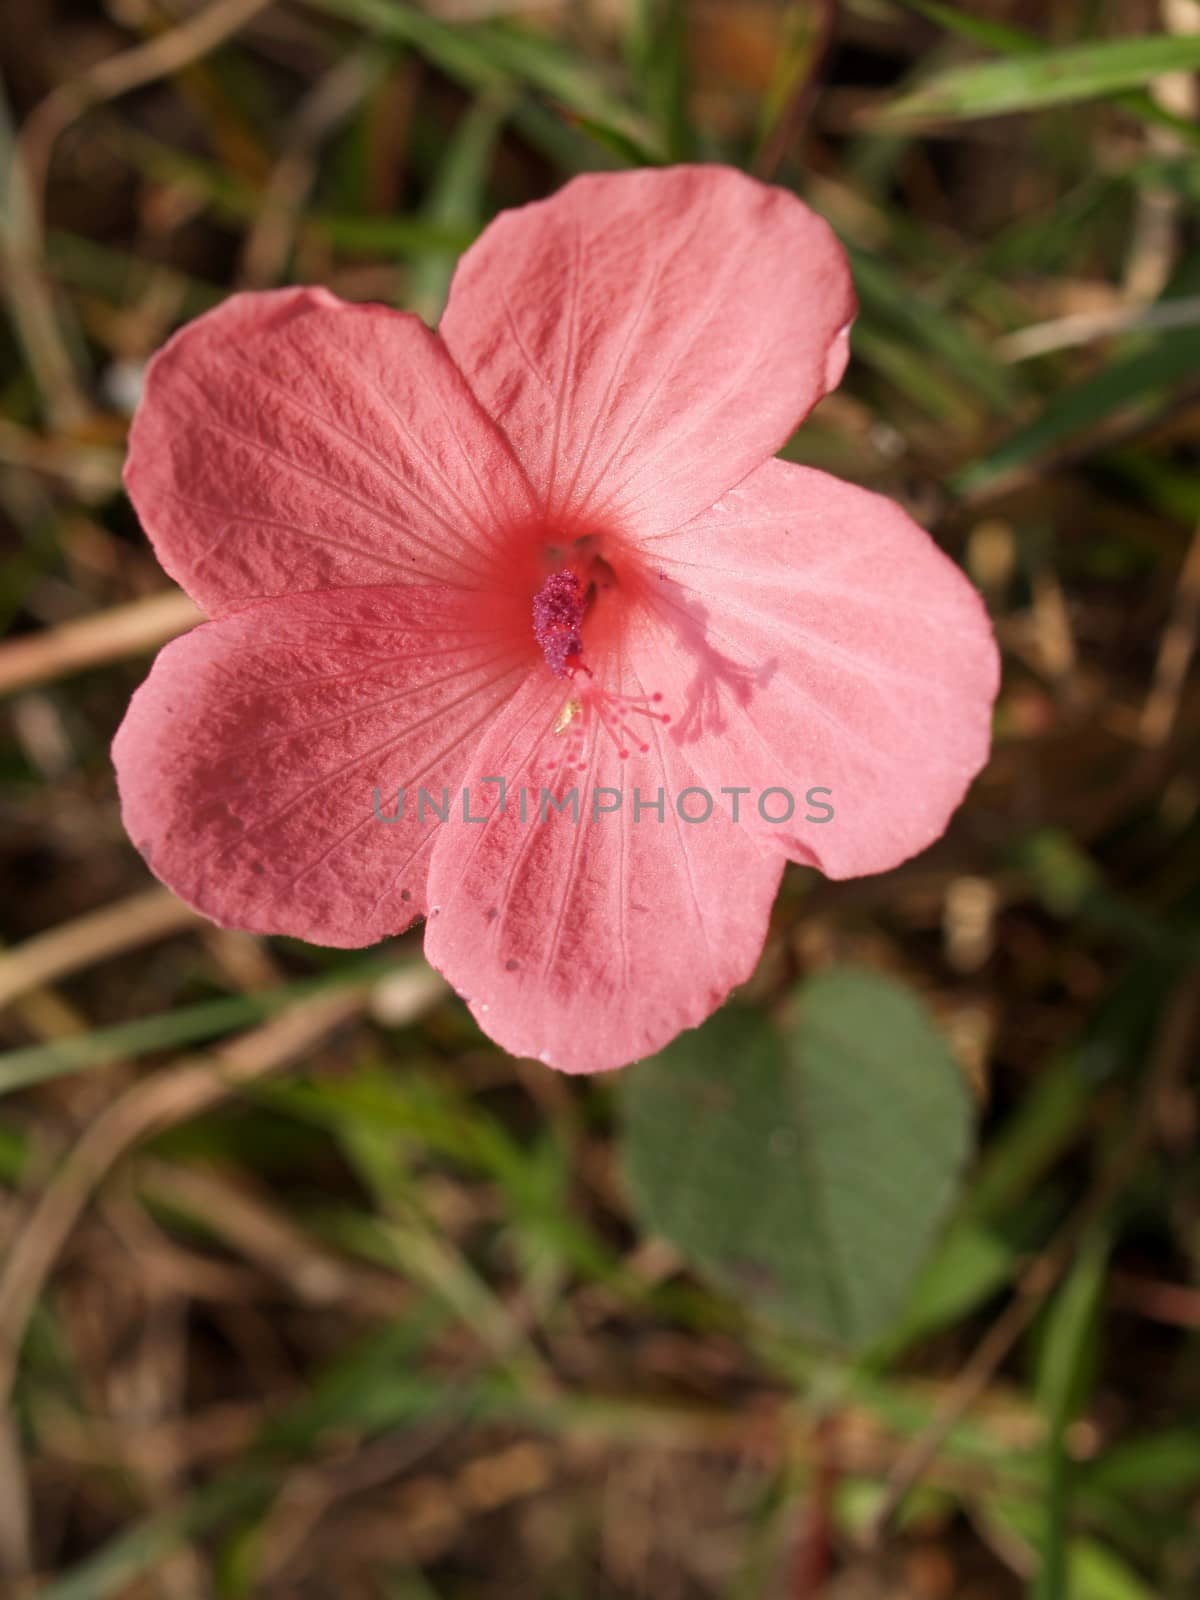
(558, 611)
(586, 590)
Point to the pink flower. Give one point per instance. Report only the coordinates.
(546, 544)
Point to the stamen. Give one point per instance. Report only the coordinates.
(558, 610)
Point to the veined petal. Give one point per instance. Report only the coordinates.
(590, 943)
(290, 441)
(815, 637)
(260, 762)
(648, 338)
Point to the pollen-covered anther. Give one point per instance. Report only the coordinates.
(558, 612)
(567, 715)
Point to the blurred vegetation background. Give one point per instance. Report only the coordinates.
(308, 1291)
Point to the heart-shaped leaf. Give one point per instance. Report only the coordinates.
(807, 1169)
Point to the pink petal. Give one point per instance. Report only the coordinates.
(288, 441)
(647, 338)
(814, 636)
(248, 762)
(588, 946)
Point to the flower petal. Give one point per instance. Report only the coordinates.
(647, 338)
(591, 944)
(289, 441)
(256, 761)
(814, 636)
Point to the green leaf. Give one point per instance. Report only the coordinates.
(1049, 78)
(805, 1171)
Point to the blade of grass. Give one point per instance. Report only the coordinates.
(1137, 382)
(240, 201)
(489, 55)
(383, 1116)
(1049, 78)
(894, 358)
(144, 1547)
(1064, 1377)
(807, 33)
(210, 1019)
(657, 51)
(84, 263)
(55, 352)
(1007, 40)
(1092, 1570)
(886, 297)
(456, 198)
(980, 30)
